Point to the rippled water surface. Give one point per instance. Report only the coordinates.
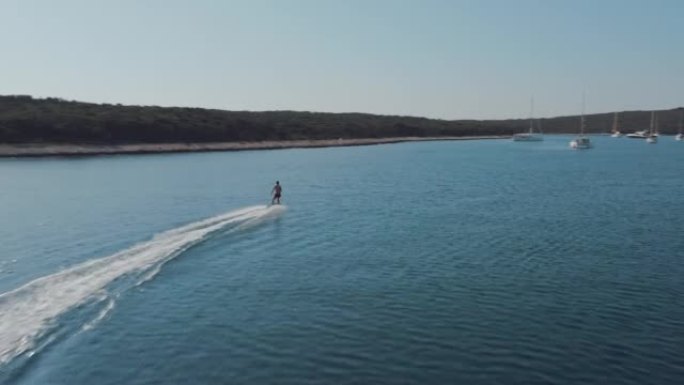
(475, 262)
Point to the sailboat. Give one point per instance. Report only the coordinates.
(615, 132)
(679, 136)
(529, 136)
(652, 134)
(581, 142)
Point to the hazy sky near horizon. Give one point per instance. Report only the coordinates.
(451, 59)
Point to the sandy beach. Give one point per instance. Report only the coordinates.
(47, 149)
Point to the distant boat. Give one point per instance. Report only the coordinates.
(643, 134)
(652, 133)
(529, 136)
(679, 136)
(581, 142)
(615, 132)
(638, 135)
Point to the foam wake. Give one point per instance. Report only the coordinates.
(30, 311)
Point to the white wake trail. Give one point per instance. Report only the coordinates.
(28, 312)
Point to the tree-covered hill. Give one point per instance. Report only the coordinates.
(25, 119)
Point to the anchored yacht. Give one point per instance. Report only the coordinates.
(529, 136)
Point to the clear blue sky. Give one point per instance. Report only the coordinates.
(441, 58)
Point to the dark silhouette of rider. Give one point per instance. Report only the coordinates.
(277, 191)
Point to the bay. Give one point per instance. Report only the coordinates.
(477, 262)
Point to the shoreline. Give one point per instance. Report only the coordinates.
(59, 149)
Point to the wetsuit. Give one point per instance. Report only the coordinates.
(276, 193)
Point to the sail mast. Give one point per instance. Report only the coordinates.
(531, 114)
(615, 123)
(582, 119)
(652, 122)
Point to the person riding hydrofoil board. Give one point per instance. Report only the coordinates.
(277, 191)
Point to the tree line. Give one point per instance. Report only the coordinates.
(26, 119)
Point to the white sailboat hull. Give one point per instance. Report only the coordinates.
(527, 137)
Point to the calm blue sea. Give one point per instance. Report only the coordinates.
(464, 262)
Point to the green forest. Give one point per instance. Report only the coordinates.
(24, 119)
